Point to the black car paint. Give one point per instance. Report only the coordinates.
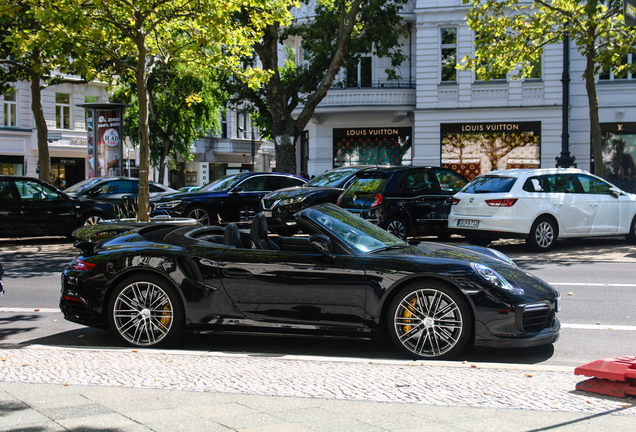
(98, 191)
(303, 292)
(424, 212)
(230, 206)
(59, 216)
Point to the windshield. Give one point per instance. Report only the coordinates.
(78, 187)
(222, 183)
(333, 178)
(492, 184)
(357, 233)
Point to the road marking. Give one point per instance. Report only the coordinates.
(18, 309)
(592, 284)
(15, 274)
(598, 327)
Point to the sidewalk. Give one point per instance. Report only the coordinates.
(52, 388)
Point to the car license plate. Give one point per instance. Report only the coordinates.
(267, 214)
(468, 223)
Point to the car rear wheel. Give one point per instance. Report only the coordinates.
(201, 215)
(543, 235)
(146, 312)
(631, 237)
(91, 219)
(397, 227)
(430, 320)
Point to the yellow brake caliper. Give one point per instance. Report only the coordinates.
(408, 314)
(166, 321)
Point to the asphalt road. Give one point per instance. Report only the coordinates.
(598, 290)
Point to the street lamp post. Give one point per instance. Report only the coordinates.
(565, 160)
(253, 148)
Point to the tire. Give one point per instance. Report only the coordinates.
(430, 320)
(631, 237)
(479, 241)
(398, 227)
(543, 235)
(200, 214)
(135, 323)
(90, 219)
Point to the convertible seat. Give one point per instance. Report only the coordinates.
(258, 234)
(232, 236)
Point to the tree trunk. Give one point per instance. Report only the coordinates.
(167, 145)
(42, 129)
(144, 133)
(285, 154)
(595, 124)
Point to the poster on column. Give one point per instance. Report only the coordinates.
(108, 143)
(471, 149)
(372, 146)
(90, 144)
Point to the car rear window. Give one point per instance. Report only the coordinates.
(369, 185)
(490, 184)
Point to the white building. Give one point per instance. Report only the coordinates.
(452, 118)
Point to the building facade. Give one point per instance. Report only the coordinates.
(447, 117)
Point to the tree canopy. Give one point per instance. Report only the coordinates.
(511, 35)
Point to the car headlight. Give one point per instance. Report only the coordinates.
(167, 204)
(290, 201)
(494, 278)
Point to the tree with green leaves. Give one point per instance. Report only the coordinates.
(337, 34)
(41, 52)
(138, 36)
(511, 35)
(184, 105)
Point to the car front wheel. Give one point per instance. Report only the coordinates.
(631, 237)
(543, 235)
(397, 227)
(91, 219)
(146, 312)
(201, 215)
(430, 320)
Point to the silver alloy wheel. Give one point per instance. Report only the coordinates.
(143, 313)
(201, 215)
(428, 322)
(397, 228)
(544, 234)
(92, 220)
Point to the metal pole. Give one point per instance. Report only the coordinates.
(253, 148)
(565, 160)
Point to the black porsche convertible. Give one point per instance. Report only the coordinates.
(346, 277)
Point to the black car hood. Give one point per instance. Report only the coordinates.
(293, 192)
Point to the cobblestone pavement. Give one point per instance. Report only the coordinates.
(420, 382)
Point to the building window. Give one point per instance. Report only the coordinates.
(62, 110)
(241, 124)
(223, 124)
(360, 74)
(479, 77)
(536, 73)
(608, 73)
(448, 46)
(10, 109)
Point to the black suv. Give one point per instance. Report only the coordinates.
(280, 206)
(405, 201)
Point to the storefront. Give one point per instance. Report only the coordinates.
(477, 148)
(619, 153)
(67, 171)
(372, 146)
(12, 165)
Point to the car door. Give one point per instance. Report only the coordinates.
(9, 209)
(418, 194)
(569, 203)
(243, 200)
(300, 287)
(44, 211)
(116, 192)
(605, 209)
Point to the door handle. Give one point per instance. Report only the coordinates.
(126, 197)
(559, 204)
(593, 204)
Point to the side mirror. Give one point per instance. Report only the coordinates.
(322, 244)
(616, 192)
(237, 190)
(94, 192)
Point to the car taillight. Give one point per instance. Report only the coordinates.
(506, 202)
(456, 201)
(78, 264)
(377, 200)
(339, 199)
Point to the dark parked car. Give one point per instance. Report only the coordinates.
(31, 207)
(232, 198)
(280, 206)
(119, 191)
(1, 275)
(405, 201)
(348, 277)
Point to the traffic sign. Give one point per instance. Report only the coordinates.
(630, 12)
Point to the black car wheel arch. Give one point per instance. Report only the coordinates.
(543, 234)
(430, 319)
(201, 214)
(150, 311)
(398, 226)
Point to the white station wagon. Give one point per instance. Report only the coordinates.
(540, 206)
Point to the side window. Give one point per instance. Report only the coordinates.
(255, 184)
(117, 187)
(450, 181)
(567, 183)
(152, 188)
(536, 184)
(279, 182)
(419, 181)
(33, 191)
(6, 191)
(592, 185)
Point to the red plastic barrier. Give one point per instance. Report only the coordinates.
(615, 376)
